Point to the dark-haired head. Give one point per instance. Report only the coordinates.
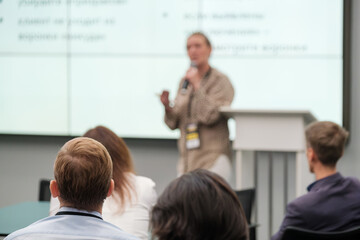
(196, 206)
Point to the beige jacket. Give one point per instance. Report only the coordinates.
(215, 90)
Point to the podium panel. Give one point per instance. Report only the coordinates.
(269, 130)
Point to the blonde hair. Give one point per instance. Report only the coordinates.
(207, 41)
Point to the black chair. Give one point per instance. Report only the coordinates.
(295, 233)
(247, 199)
(44, 193)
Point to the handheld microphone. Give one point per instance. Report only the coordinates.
(186, 82)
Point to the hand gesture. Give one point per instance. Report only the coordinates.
(164, 98)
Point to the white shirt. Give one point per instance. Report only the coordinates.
(135, 217)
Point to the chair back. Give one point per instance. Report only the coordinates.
(247, 197)
(295, 233)
(44, 192)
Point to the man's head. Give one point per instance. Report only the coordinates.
(83, 172)
(325, 142)
(198, 48)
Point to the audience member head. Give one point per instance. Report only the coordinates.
(326, 142)
(83, 172)
(199, 205)
(120, 156)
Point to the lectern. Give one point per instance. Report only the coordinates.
(270, 130)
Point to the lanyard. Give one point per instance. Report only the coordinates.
(77, 213)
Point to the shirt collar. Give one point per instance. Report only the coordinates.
(70, 209)
(319, 182)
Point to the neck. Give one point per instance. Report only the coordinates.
(65, 204)
(324, 171)
(203, 69)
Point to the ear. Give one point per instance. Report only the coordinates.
(311, 155)
(111, 188)
(54, 189)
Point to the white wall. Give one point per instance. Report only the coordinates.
(25, 160)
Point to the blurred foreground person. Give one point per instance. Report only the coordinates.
(83, 179)
(130, 204)
(196, 206)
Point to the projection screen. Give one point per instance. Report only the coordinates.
(69, 65)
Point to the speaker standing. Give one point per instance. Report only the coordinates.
(204, 141)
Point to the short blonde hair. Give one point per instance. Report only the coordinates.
(327, 139)
(83, 172)
(207, 41)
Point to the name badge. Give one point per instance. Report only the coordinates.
(192, 136)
